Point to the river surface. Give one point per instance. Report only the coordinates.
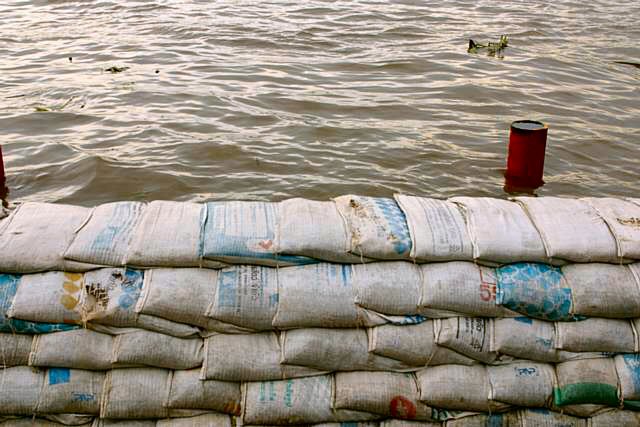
(275, 99)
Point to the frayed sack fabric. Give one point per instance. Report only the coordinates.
(81, 349)
(106, 233)
(14, 349)
(188, 391)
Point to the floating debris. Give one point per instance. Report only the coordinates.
(634, 64)
(492, 48)
(115, 69)
(70, 59)
(42, 109)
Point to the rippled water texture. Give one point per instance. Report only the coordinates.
(268, 100)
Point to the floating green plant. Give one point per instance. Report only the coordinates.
(115, 69)
(43, 109)
(492, 48)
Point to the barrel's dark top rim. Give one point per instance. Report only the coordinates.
(528, 125)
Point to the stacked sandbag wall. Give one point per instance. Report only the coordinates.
(356, 311)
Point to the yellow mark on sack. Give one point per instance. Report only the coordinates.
(74, 277)
(68, 302)
(72, 288)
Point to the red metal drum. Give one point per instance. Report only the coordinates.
(525, 161)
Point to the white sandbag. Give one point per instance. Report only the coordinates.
(14, 349)
(158, 350)
(457, 387)
(188, 391)
(334, 350)
(590, 381)
(105, 235)
(540, 417)
(615, 417)
(376, 227)
(313, 229)
(99, 422)
(205, 420)
(135, 393)
(501, 230)
(571, 229)
(414, 345)
(470, 336)
(387, 287)
(318, 295)
(437, 229)
(168, 235)
(409, 423)
(385, 393)
(597, 334)
(623, 219)
(19, 390)
(247, 296)
(244, 233)
(294, 401)
(81, 349)
(72, 391)
(459, 287)
(43, 422)
(36, 237)
(603, 290)
(526, 384)
(52, 297)
(110, 296)
(628, 371)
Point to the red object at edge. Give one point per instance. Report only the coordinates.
(3, 180)
(525, 161)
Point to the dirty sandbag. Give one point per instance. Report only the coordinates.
(386, 393)
(241, 232)
(154, 349)
(135, 393)
(188, 391)
(72, 391)
(628, 371)
(376, 227)
(541, 417)
(341, 350)
(460, 287)
(603, 290)
(14, 349)
(592, 381)
(623, 219)
(525, 383)
(36, 237)
(501, 231)
(106, 233)
(409, 423)
(313, 229)
(584, 410)
(597, 334)
(20, 388)
(571, 229)
(318, 295)
(437, 229)
(82, 349)
(414, 345)
(204, 420)
(470, 336)
(615, 417)
(101, 422)
(78, 420)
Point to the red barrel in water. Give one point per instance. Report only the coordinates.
(525, 162)
(3, 187)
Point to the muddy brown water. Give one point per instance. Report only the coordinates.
(277, 99)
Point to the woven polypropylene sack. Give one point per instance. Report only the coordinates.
(20, 388)
(597, 334)
(592, 381)
(135, 393)
(188, 391)
(73, 391)
(158, 350)
(81, 349)
(525, 384)
(14, 349)
(623, 219)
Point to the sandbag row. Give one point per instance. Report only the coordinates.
(55, 420)
(349, 229)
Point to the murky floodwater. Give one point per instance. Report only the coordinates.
(268, 100)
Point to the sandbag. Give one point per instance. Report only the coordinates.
(313, 229)
(459, 287)
(318, 295)
(14, 349)
(246, 296)
(334, 350)
(501, 231)
(99, 422)
(104, 237)
(19, 390)
(597, 334)
(414, 345)
(36, 236)
(52, 297)
(457, 387)
(188, 391)
(571, 229)
(603, 290)
(158, 350)
(387, 287)
(385, 393)
(244, 233)
(135, 393)
(294, 401)
(592, 381)
(628, 371)
(205, 420)
(526, 384)
(168, 235)
(38, 422)
(81, 349)
(535, 290)
(71, 391)
(376, 227)
(615, 418)
(8, 289)
(623, 219)
(540, 417)
(437, 229)
(585, 410)
(470, 336)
